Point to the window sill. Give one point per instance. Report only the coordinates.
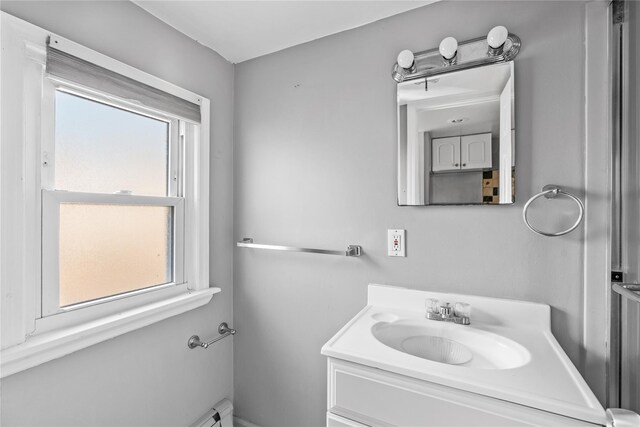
(52, 345)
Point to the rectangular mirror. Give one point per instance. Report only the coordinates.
(456, 138)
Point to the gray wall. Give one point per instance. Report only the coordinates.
(146, 377)
(315, 165)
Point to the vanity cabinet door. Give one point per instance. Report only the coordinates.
(374, 397)
(475, 151)
(445, 154)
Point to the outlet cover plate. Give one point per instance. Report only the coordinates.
(396, 243)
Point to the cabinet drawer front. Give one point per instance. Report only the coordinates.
(379, 398)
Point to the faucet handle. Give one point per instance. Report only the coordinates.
(463, 312)
(431, 306)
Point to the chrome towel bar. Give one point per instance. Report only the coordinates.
(352, 250)
(627, 290)
(224, 331)
(551, 191)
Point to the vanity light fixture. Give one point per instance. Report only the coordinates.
(449, 50)
(496, 38)
(498, 46)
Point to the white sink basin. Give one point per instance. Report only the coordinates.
(507, 353)
(451, 344)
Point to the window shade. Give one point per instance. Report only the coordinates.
(69, 67)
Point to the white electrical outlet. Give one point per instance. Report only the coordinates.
(396, 242)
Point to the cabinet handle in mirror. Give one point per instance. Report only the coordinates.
(455, 164)
(464, 164)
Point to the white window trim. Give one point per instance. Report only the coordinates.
(28, 341)
(52, 345)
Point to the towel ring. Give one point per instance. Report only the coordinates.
(551, 191)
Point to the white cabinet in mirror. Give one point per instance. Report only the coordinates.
(456, 153)
(456, 138)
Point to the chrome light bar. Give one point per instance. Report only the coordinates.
(469, 54)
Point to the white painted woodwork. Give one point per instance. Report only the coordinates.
(375, 397)
(415, 159)
(23, 60)
(445, 154)
(475, 151)
(506, 141)
(52, 345)
(597, 200)
(426, 141)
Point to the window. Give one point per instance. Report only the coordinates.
(104, 198)
(113, 206)
(100, 148)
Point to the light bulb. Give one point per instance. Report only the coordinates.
(497, 36)
(405, 59)
(448, 47)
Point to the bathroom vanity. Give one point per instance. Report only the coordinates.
(390, 365)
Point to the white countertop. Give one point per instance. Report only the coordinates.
(549, 381)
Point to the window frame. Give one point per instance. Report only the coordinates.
(28, 339)
(52, 198)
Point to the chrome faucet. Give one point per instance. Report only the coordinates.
(460, 313)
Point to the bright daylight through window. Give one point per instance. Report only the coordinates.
(108, 249)
(113, 208)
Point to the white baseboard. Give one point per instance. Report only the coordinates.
(239, 422)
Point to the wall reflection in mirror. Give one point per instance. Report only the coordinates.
(456, 138)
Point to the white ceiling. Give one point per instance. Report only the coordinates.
(241, 30)
(472, 95)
